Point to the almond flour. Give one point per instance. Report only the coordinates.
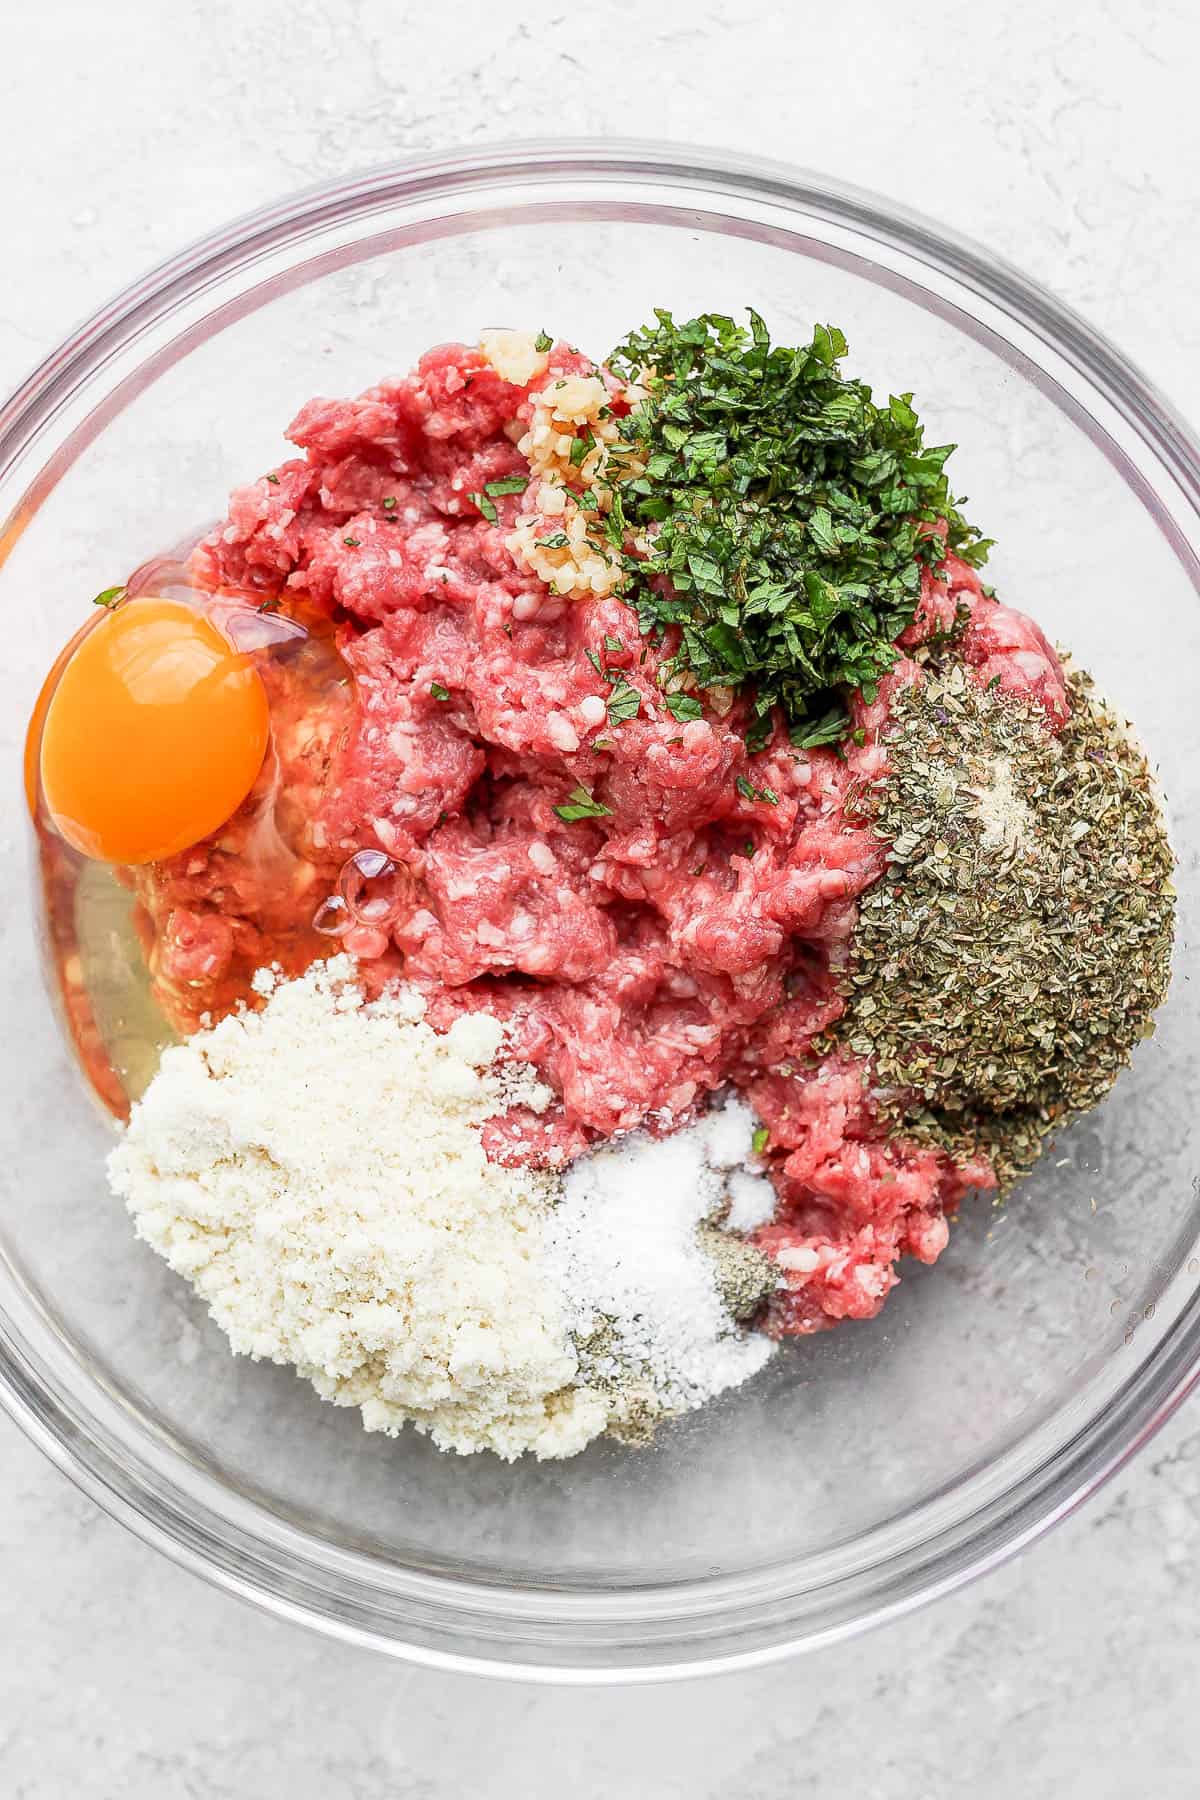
(316, 1171)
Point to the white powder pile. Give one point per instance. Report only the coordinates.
(1005, 814)
(642, 1296)
(316, 1171)
(726, 1141)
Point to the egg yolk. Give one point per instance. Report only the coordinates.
(154, 734)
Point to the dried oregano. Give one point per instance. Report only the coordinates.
(1015, 952)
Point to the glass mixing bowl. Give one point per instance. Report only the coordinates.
(867, 1469)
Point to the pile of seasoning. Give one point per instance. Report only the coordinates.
(1001, 974)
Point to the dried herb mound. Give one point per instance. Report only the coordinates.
(789, 513)
(1002, 972)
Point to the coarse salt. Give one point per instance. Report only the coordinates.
(623, 1246)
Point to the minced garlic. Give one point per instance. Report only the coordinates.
(571, 446)
(555, 543)
(514, 355)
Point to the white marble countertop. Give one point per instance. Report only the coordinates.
(1069, 139)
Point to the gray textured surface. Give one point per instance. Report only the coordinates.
(1070, 142)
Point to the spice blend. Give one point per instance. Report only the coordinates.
(1001, 974)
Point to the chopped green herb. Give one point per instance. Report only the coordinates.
(559, 541)
(580, 805)
(543, 342)
(614, 646)
(827, 730)
(602, 743)
(485, 506)
(749, 792)
(351, 543)
(683, 707)
(438, 691)
(273, 479)
(748, 848)
(390, 503)
(511, 484)
(792, 514)
(109, 597)
(760, 1140)
(594, 659)
(624, 703)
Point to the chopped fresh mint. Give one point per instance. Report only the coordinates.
(580, 805)
(485, 506)
(829, 729)
(792, 516)
(624, 703)
(748, 791)
(683, 707)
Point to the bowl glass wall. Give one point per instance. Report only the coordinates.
(870, 1467)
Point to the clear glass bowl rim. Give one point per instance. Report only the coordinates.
(636, 1633)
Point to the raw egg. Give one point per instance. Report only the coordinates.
(154, 734)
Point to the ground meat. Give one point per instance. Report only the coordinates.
(686, 937)
(851, 1203)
